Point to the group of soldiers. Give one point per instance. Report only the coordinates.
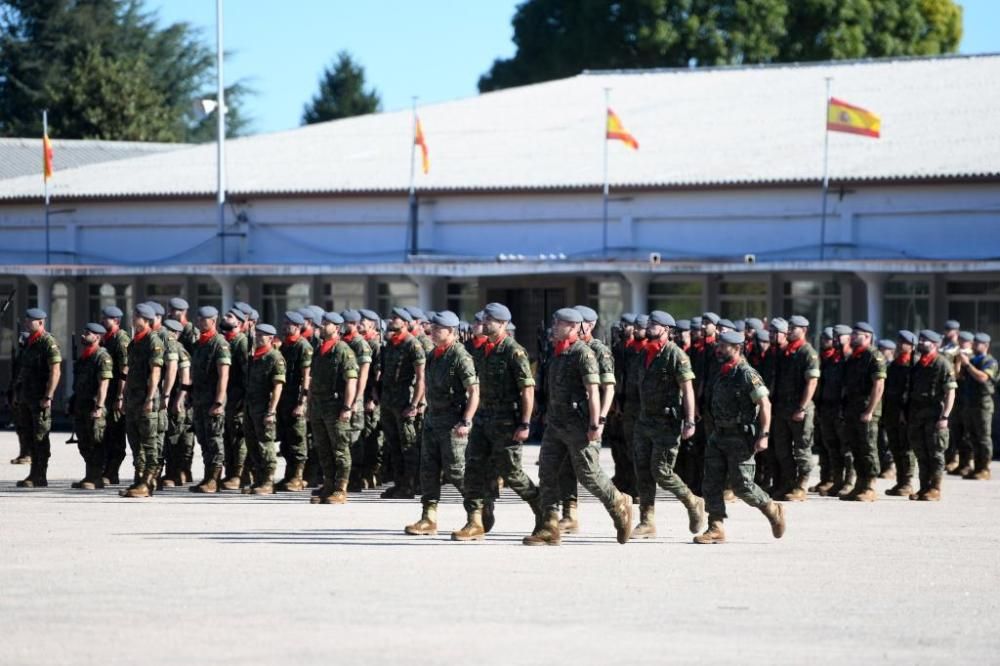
(708, 409)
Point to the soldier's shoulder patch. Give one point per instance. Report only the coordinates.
(519, 353)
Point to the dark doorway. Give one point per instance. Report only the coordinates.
(531, 309)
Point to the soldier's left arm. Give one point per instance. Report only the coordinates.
(878, 375)
(812, 374)
(988, 372)
(223, 360)
(55, 363)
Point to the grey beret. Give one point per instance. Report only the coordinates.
(779, 325)
(589, 314)
(370, 315)
(983, 337)
(933, 336)
(755, 324)
(628, 318)
(253, 315)
(416, 313)
(479, 316)
(332, 318)
(842, 329)
(510, 327)
(570, 315)
(497, 311)
(227, 325)
(864, 326)
(739, 325)
(430, 314)
(145, 311)
(239, 314)
(266, 329)
(683, 324)
(727, 323)
(731, 337)
(951, 325)
(352, 316)
(966, 336)
(696, 322)
(112, 312)
(445, 318)
(157, 308)
(828, 333)
(402, 313)
(711, 317)
(310, 313)
(35, 313)
(798, 320)
(886, 344)
(907, 336)
(245, 308)
(662, 318)
(642, 321)
(207, 312)
(178, 303)
(295, 318)
(96, 328)
(173, 325)
(762, 335)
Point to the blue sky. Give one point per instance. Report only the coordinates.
(435, 49)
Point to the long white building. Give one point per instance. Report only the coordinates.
(720, 208)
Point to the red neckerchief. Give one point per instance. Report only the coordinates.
(793, 346)
(488, 346)
(88, 351)
(859, 351)
(370, 335)
(904, 358)
(927, 359)
(749, 347)
(140, 335)
(110, 334)
(261, 351)
(231, 335)
(587, 338)
(292, 339)
(327, 345)
(156, 326)
(206, 337)
(307, 331)
(728, 367)
(439, 351)
(398, 338)
(832, 352)
(632, 344)
(36, 336)
(561, 346)
(349, 337)
(653, 348)
(478, 341)
(685, 348)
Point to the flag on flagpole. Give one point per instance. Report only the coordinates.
(844, 117)
(617, 131)
(418, 139)
(47, 156)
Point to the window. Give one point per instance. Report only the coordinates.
(209, 293)
(907, 306)
(683, 300)
(279, 297)
(816, 300)
(740, 299)
(342, 295)
(397, 293)
(976, 305)
(607, 298)
(100, 296)
(463, 299)
(163, 292)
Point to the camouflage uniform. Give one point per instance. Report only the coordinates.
(363, 354)
(977, 411)
(88, 372)
(298, 356)
(791, 439)
(264, 372)
(179, 443)
(171, 357)
(208, 428)
(34, 369)
(331, 436)
(234, 436)
(893, 406)
(144, 354)
(401, 358)
(371, 432)
(117, 344)
(834, 444)
(861, 371)
(189, 338)
(634, 357)
(930, 379)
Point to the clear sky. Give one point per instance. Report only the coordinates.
(435, 49)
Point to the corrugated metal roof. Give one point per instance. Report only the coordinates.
(23, 157)
(696, 127)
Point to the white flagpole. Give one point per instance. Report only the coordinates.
(604, 136)
(220, 111)
(826, 174)
(413, 187)
(45, 179)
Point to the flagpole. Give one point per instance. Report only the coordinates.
(413, 188)
(220, 111)
(604, 216)
(826, 174)
(45, 179)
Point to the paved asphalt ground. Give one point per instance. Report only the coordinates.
(90, 578)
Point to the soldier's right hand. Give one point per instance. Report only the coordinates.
(521, 434)
(269, 419)
(147, 407)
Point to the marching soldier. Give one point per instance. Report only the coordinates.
(38, 370)
(371, 434)
(452, 400)
(178, 445)
(363, 354)
(981, 376)
(92, 373)
(838, 477)
(958, 437)
(234, 441)
(886, 463)
(265, 381)
(179, 312)
(298, 354)
(893, 412)
(116, 341)
(864, 382)
(142, 396)
(210, 366)
(931, 398)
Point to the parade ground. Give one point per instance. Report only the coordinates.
(90, 578)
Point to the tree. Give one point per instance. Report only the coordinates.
(104, 70)
(560, 38)
(341, 93)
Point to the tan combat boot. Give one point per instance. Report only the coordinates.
(489, 516)
(696, 512)
(339, 495)
(714, 533)
(136, 478)
(546, 533)
(30, 481)
(145, 486)
(728, 496)
(980, 474)
(850, 476)
(473, 530)
(265, 484)
(903, 488)
(210, 484)
(295, 483)
(951, 461)
(232, 481)
(570, 523)
(775, 515)
(933, 493)
(798, 492)
(866, 491)
(323, 492)
(646, 529)
(889, 472)
(622, 517)
(427, 525)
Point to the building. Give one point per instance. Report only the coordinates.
(719, 209)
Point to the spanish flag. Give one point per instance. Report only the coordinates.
(844, 117)
(617, 131)
(418, 140)
(47, 156)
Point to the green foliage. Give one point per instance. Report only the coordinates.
(341, 93)
(560, 38)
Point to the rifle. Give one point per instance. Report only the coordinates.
(13, 353)
(71, 407)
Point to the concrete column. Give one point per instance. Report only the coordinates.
(425, 290)
(44, 285)
(875, 292)
(228, 284)
(639, 284)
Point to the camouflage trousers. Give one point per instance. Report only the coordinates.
(369, 445)
(401, 446)
(90, 438)
(899, 444)
(565, 443)
(292, 434)
(234, 438)
(792, 441)
(833, 444)
(442, 457)
(729, 461)
(114, 442)
(36, 424)
(141, 429)
(958, 435)
(179, 443)
(332, 440)
(208, 429)
(929, 445)
(862, 439)
(162, 423)
(621, 452)
(655, 447)
(491, 451)
(979, 427)
(260, 438)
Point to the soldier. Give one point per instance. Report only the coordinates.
(931, 398)
(682, 335)
(893, 412)
(234, 441)
(38, 376)
(888, 350)
(621, 448)
(142, 396)
(958, 437)
(476, 339)
(21, 427)
(363, 354)
(298, 355)
(265, 381)
(573, 430)
(742, 418)
(371, 433)
(416, 327)
(950, 340)
(796, 374)
(179, 312)
(569, 524)
(864, 382)
(838, 477)
(92, 373)
(168, 379)
(210, 366)
(761, 359)
(980, 370)
(403, 362)
(666, 416)
(501, 426)
(116, 341)
(631, 373)
(179, 442)
(452, 400)
(332, 394)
